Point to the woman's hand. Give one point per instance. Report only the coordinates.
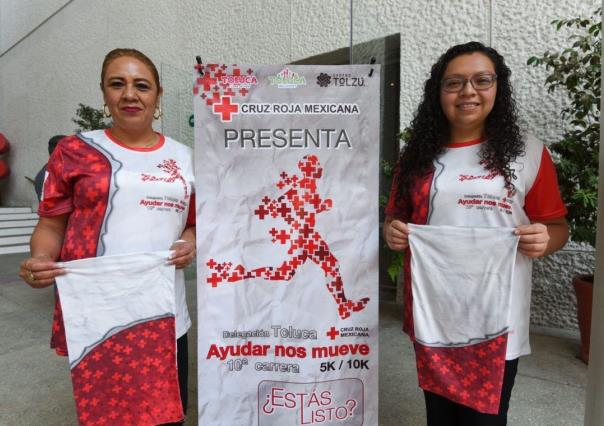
(183, 253)
(40, 271)
(541, 239)
(533, 239)
(396, 234)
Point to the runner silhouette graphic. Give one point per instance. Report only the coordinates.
(298, 206)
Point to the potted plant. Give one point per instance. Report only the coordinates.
(576, 70)
(89, 118)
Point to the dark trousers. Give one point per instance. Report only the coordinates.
(444, 412)
(182, 363)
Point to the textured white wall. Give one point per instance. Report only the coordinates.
(43, 78)
(522, 30)
(17, 18)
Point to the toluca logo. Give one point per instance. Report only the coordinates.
(323, 80)
(347, 80)
(221, 88)
(238, 81)
(287, 79)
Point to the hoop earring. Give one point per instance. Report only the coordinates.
(157, 113)
(106, 112)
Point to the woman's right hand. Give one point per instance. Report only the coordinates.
(396, 234)
(40, 271)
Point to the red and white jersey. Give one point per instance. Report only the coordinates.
(120, 200)
(461, 197)
(464, 193)
(461, 192)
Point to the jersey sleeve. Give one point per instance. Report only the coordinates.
(57, 193)
(191, 215)
(543, 200)
(397, 208)
(394, 207)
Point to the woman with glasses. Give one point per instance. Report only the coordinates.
(467, 164)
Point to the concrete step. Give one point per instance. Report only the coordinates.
(7, 232)
(16, 227)
(18, 216)
(17, 223)
(7, 210)
(11, 241)
(14, 249)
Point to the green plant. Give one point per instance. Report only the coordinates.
(395, 266)
(89, 118)
(576, 70)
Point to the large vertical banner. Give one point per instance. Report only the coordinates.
(286, 162)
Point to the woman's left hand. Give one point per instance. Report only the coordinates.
(533, 239)
(183, 253)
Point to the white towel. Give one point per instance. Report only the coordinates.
(461, 283)
(101, 296)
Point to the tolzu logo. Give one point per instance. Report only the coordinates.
(340, 80)
(287, 79)
(235, 81)
(323, 80)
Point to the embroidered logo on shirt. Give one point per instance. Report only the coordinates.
(170, 167)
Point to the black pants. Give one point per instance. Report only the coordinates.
(444, 412)
(182, 363)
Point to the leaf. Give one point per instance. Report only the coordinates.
(396, 265)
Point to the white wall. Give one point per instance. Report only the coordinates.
(19, 17)
(45, 76)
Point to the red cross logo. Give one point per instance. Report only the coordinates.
(207, 82)
(218, 75)
(213, 280)
(332, 333)
(261, 212)
(215, 98)
(282, 236)
(225, 108)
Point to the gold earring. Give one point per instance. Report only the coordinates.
(157, 113)
(106, 112)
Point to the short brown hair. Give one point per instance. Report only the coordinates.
(118, 53)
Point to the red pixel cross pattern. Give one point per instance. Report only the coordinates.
(217, 92)
(298, 207)
(130, 378)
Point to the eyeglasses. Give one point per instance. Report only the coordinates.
(456, 84)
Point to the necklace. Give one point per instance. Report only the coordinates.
(146, 144)
(152, 142)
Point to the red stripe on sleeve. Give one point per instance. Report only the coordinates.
(191, 215)
(394, 208)
(543, 201)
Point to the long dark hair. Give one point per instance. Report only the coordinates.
(430, 131)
